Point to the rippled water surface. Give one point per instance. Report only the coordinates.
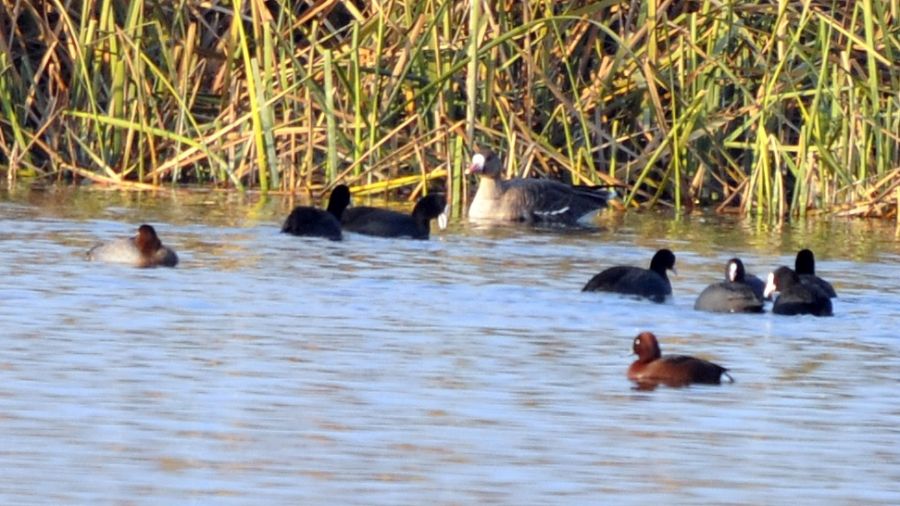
(469, 369)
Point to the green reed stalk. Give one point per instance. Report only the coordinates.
(472, 72)
(357, 93)
(331, 165)
(253, 93)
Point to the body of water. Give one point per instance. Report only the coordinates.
(468, 369)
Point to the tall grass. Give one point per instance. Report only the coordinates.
(776, 108)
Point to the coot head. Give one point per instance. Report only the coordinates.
(430, 207)
(780, 279)
(662, 261)
(734, 271)
(485, 162)
(805, 262)
(339, 200)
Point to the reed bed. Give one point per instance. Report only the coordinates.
(775, 108)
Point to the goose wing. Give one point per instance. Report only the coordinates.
(552, 201)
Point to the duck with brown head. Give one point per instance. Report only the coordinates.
(652, 367)
(532, 201)
(143, 250)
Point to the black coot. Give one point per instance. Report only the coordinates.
(387, 223)
(796, 297)
(805, 267)
(652, 283)
(734, 295)
(309, 221)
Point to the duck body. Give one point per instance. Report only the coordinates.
(676, 370)
(653, 368)
(143, 250)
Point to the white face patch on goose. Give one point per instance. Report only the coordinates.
(478, 160)
(732, 271)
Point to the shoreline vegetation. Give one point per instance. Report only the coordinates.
(768, 108)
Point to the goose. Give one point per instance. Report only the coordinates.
(528, 200)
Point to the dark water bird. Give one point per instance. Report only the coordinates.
(796, 297)
(652, 283)
(737, 294)
(652, 368)
(805, 267)
(528, 200)
(143, 250)
(387, 223)
(313, 222)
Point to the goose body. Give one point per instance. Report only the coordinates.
(529, 200)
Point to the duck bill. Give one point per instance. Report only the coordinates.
(473, 169)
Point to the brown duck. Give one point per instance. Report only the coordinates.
(143, 250)
(652, 368)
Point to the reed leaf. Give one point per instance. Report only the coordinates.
(778, 109)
